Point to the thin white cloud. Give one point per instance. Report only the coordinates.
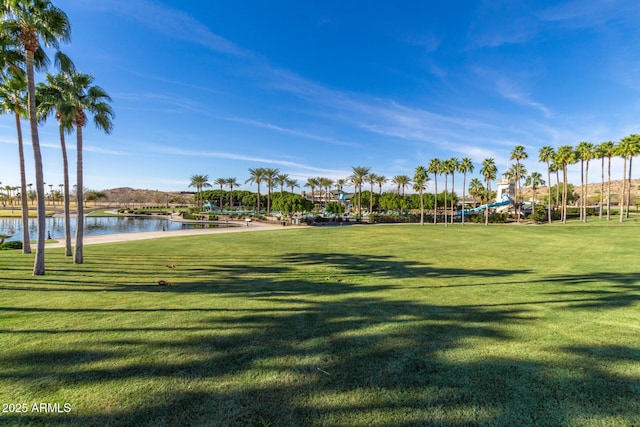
(512, 92)
(288, 131)
(245, 158)
(172, 23)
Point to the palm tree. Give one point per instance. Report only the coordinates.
(556, 168)
(447, 167)
(546, 154)
(489, 172)
(634, 151)
(357, 178)
(199, 181)
(80, 97)
(380, 180)
(420, 178)
(455, 165)
(30, 22)
(434, 168)
(270, 175)
(518, 154)
(341, 182)
(565, 156)
(401, 181)
(371, 178)
(534, 180)
(281, 179)
(231, 182)
(476, 189)
(51, 100)
(626, 149)
(464, 166)
(292, 183)
(312, 183)
(13, 89)
(607, 150)
(584, 152)
(221, 182)
(256, 176)
(325, 183)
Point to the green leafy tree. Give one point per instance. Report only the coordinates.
(335, 208)
(289, 204)
(30, 23)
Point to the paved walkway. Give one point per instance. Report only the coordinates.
(143, 235)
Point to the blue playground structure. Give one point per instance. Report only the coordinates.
(504, 202)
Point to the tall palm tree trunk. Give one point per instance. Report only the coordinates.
(582, 192)
(39, 264)
(629, 187)
(564, 193)
(601, 189)
(446, 206)
(586, 192)
(609, 188)
(549, 193)
(435, 199)
(624, 188)
(78, 256)
(67, 213)
(26, 242)
(464, 187)
(452, 190)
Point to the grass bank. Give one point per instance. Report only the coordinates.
(391, 325)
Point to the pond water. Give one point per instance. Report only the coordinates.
(93, 226)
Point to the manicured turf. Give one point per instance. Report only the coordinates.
(362, 326)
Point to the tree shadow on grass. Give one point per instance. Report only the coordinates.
(318, 352)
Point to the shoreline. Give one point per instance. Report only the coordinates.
(145, 235)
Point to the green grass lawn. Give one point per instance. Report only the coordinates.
(350, 326)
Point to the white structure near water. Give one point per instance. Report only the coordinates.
(506, 187)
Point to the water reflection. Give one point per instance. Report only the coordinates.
(93, 226)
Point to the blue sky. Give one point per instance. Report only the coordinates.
(316, 87)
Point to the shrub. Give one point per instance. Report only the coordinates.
(11, 245)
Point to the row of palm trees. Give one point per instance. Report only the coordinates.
(26, 29)
(556, 160)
